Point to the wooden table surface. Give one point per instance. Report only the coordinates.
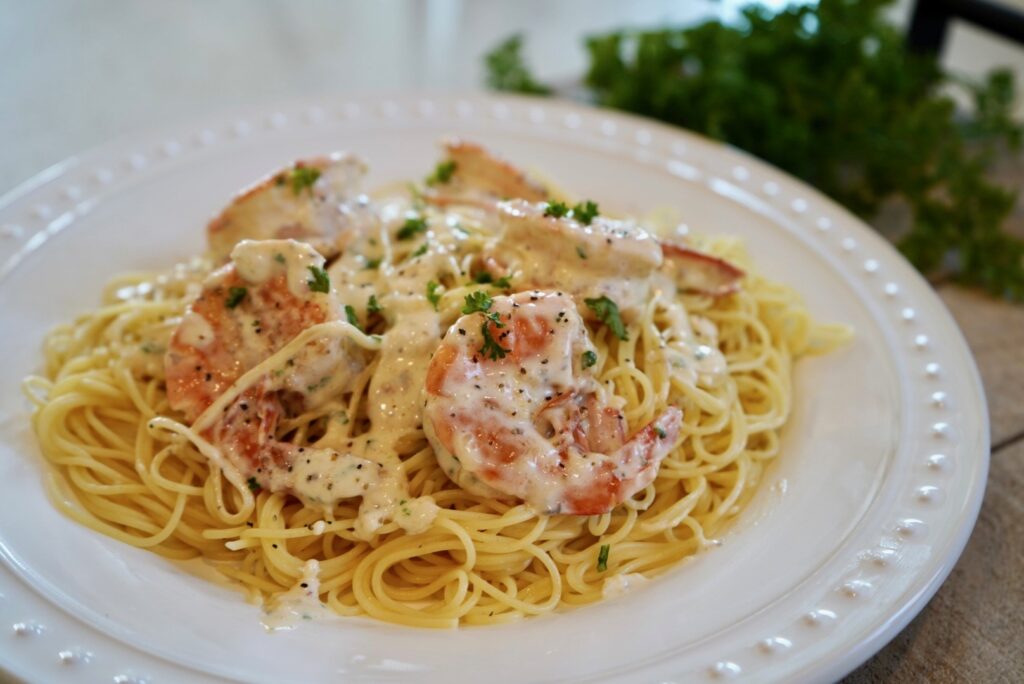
(973, 629)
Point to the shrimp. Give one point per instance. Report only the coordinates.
(315, 201)
(479, 178)
(512, 410)
(266, 301)
(604, 257)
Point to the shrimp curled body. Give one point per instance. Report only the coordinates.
(512, 409)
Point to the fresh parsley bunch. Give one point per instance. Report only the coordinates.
(830, 94)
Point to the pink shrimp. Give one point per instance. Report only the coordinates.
(513, 409)
(479, 178)
(314, 200)
(248, 310)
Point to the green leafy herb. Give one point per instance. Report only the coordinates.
(432, 296)
(413, 226)
(503, 283)
(235, 297)
(372, 306)
(253, 484)
(421, 250)
(442, 173)
(661, 433)
(491, 349)
(302, 177)
(556, 209)
(607, 312)
(350, 314)
(320, 281)
(580, 253)
(506, 71)
(602, 557)
(477, 301)
(886, 134)
(372, 264)
(589, 359)
(279, 258)
(585, 212)
(483, 277)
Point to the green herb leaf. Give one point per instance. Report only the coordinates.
(302, 177)
(483, 277)
(589, 359)
(503, 283)
(661, 433)
(372, 264)
(235, 297)
(253, 484)
(556, 209)
(602, 557)
(506, 71)
(580, 253)
(372, 306)
(279, 258)
(491, 349)
(421, 250)
(585, 212)
(477, 301)
(607, 312)
(432, 296)
(888, 133)
(320, 281)
(442, 173)
(413, 226)
(350, 314)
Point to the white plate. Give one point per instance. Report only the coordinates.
(863, 516)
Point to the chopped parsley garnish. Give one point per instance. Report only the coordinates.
(556, 209)
(477, 301)
(421, 250)
(442, 173)
(580, 253)
(432, 296)
(350, 314)
(483, 277)
(372, 264)
(413, 226)
(661, 433)
(607, 312)
(302, 177)
(585, 212)
(320, 281)
(279, 258)
(372, 306)
(151, 348)
(235, 297)
(253, 484)
(602, 557)
(589, 359)
(504, 283)
(491, 349)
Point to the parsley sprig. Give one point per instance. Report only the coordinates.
(299, 178)
(607, 311)
(480, 302)
(235, 297)
(320, 282)
(442, 173)
(887, 133)
(414, 225)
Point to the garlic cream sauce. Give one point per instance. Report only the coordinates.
(393, 273)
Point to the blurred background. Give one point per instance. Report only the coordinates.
(74, 74)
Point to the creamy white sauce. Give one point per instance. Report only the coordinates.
(300, 603)
(259, 261)
(617, 585)
(195, 331)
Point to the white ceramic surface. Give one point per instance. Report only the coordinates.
(880, 480)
